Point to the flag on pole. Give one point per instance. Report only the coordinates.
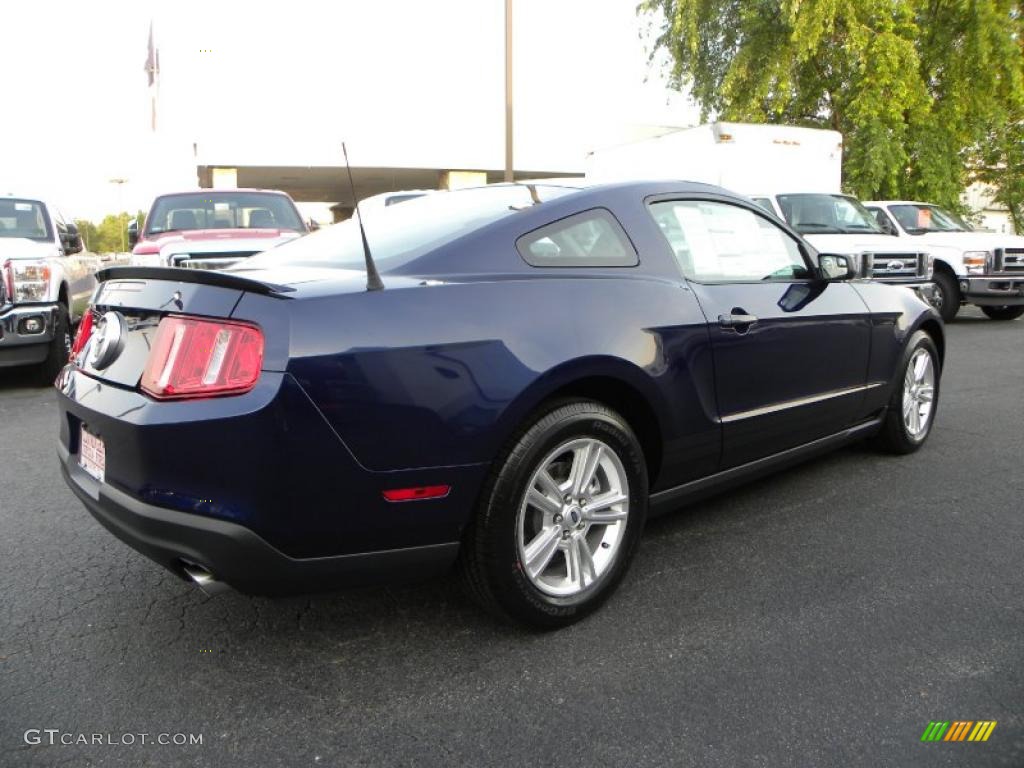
(152, 68)
(152, 59)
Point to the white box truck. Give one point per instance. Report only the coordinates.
(794, 173)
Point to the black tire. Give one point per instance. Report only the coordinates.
(894, 436)
(948, 298)
(59, 348)
(490, 559)
(1003, 313)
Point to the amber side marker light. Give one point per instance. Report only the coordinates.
(416, 494)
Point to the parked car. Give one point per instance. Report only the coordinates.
(978, 268)
(214, 228)
(46, 279)
(542, 366)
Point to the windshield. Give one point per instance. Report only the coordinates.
(918, 219)
(219, 210)
(24, 218)
(827, 214)
(397, 234)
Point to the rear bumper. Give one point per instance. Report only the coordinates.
(236, 555)
(18, 347)
(993, 290)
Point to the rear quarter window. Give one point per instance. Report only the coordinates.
(590, 239)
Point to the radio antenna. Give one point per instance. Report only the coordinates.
(373, 282)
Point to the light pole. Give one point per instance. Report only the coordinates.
(508, 91)
(120, 204)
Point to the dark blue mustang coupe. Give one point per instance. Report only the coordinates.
(544, 366)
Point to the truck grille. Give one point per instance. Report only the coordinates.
(896, 266)
(1010, 260)
(208, 260)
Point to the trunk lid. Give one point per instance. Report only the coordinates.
(140, 297)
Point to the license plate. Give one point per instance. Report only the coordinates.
(92, 455)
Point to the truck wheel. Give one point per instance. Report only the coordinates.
(915, 398)
(947, 299)
(59, 348)
(560, 518)
(1003, 313)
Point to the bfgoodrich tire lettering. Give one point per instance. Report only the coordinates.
(911, 413)
(544, 561)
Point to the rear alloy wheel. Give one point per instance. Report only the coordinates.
(947, 295)
(561, 519)
(911, 412)
(1003, 313)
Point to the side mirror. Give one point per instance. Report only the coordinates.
(838, 266)
(312, 225)
(133, 233)
(72, 240)
(885, 224)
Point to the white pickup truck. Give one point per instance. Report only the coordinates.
(46, 279)
(835, 223)
(971, 267)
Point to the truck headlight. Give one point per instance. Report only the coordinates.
(27, 281)
(977, 262)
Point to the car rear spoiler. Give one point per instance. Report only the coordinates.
(202, 276)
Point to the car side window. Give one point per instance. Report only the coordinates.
(721, 242)
(589, 239)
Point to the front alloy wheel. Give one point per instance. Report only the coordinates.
(560, 517)
(918, 393)
(911, 412)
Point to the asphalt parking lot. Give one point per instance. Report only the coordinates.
(822, 617)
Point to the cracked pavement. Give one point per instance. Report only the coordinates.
(821, 617)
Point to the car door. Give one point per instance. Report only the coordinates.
(790, 350)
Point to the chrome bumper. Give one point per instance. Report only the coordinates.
(992, 290)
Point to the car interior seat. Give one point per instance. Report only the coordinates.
(261, 218)
(183, 220)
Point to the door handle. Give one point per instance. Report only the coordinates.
(736, 320)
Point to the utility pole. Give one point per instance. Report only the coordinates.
(508, 91)
(120, 204)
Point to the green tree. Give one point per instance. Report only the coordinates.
(109, 235)
(922, 90)
(87, 230)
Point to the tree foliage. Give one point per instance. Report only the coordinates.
(927, 93)
(110, 235)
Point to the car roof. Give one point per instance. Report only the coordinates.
(588, 187)
(897, 202)
(224, 191)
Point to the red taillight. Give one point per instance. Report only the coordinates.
(82, 337)
(414, 494)
(192, 357)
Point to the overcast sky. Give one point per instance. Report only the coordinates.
(406, 81)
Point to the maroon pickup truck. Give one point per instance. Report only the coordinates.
(214, 228)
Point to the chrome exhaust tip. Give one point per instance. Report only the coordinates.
(203, 579)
